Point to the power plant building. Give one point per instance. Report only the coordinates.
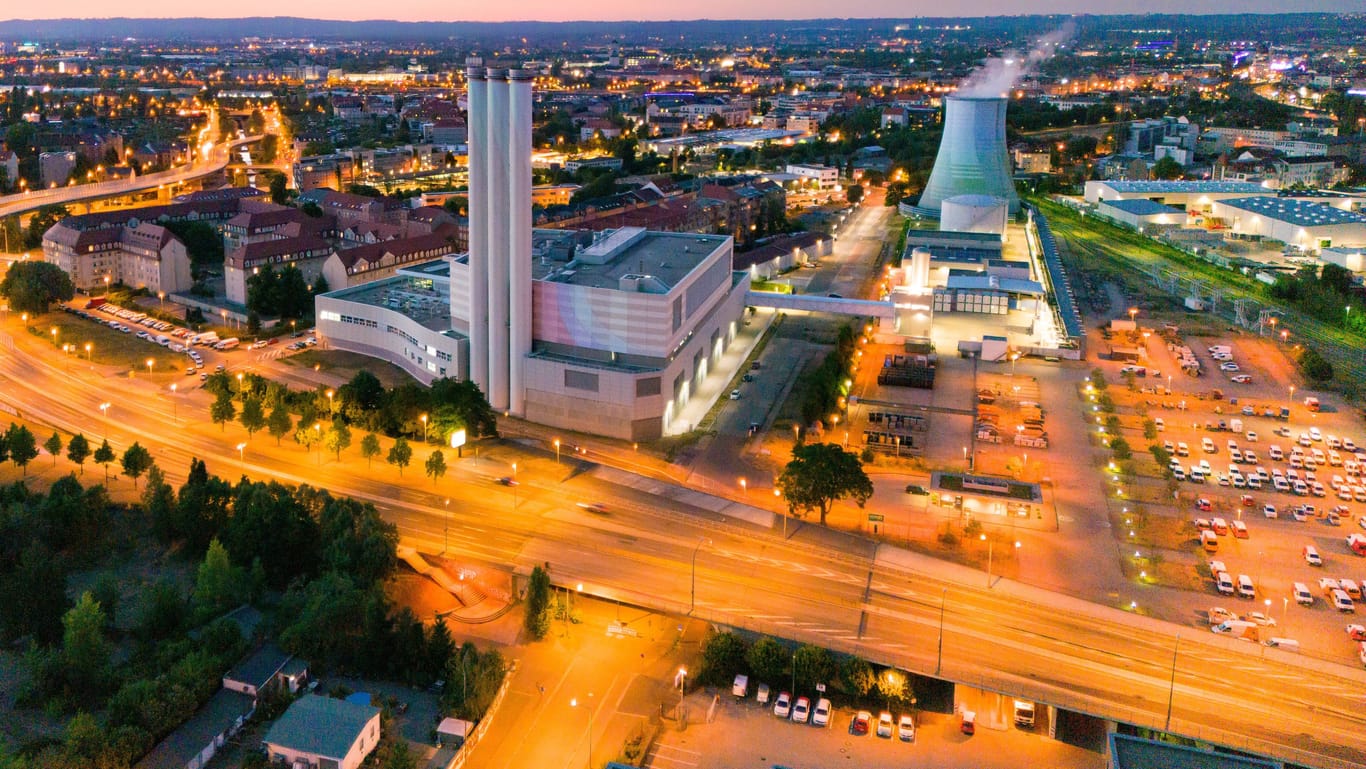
(608, 333)
(972, 157)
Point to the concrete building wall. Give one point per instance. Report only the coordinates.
(426, 354)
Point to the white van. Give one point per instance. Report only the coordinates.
(1224, 583)
(1207, 445)
(1302, 594)
(1235, 626)
(1276, 453)
(1245, 587)
(1288, 644)
(1342, 601)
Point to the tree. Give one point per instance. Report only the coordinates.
(338, 438)
(813, 665)
(369, 448)
(85, 652)
(35, 596)
(894, 686)
(136, 461)
(222, 410)
(22, 446)
(1167, 168)
(854, 194)
(436, 466)
(723, 657)
(279, 189)
(41, 222)
(279, 422)
(1311, 364)
(537, 619)
(821, 473)
(252, 417)
(858, 677)
(78, 450)
(104, 455)
(158, 499)
(768, 659)
(400, 454)
(53, 446)
(32, 286)
(217, 583)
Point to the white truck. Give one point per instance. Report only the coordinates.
(1024, 714)
(227, 344)
(741, 687)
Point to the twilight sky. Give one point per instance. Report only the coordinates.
(558, 10)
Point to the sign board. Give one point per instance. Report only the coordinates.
(820, 688)
(874, 517)
(458, 438)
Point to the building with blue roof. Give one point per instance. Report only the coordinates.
(1307, 225)
(323, 732)
(1188, 196)
(1141, 213)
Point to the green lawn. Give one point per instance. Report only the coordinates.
(107, 346)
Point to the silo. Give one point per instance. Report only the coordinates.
(974, 213)
(918, 274)
(972, 157)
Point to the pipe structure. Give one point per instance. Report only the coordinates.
(519, 233)
(478, 218)
(496, 198)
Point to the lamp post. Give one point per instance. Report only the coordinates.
(54, 336)
(175, 409)
(88, 348)
(104, 410)
(1171, 686)
(989, 554)
(514, 485)
(692, 599)
(318, 429)
(329, 402)
(744, 487)
(150, 363)
(557, 451)
(242, 451)
(574, 703)
(1291, 402)
(424, 429)
(939, 655)
(447, 544)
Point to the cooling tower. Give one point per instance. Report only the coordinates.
(972, 157)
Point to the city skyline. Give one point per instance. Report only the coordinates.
(544, 10)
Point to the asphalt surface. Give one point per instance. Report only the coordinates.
(820, 586)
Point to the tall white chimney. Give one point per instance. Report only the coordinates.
(496, 202)
(478, 218)
(519, 232)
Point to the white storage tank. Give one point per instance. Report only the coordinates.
(918, 271)
(974, 213)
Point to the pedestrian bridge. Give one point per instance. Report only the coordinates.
(861, 308)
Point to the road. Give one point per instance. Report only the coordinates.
(821, 586)
(209, 162)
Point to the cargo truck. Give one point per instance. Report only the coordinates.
(1024, 714)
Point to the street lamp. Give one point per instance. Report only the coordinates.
(329, 401)
(175, 415)
(557, 451)
(242, 451)
(424, 429)
(1133, 314)
(514, 467)
(744, 487)
(104, 411)
(989, 554)
(692, 600)
(88, 348)
(54, 336)
(447, 546)
(574, 703)
(150, 363)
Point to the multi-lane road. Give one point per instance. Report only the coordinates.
(819, 586)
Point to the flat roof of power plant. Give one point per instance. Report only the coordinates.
(1141, 207)
(658, 260)
(1172, 188)
(1301, 213)
(427, 300)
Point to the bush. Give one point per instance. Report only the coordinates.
(1314, 367)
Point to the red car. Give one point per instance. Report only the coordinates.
(862, 720)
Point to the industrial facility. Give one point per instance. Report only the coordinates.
(611, 333)
(972, 157)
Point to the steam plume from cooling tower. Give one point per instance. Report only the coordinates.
(997, 76)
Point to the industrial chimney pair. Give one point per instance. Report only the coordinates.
(499, 136)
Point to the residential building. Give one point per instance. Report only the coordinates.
(323, 733)
(264, 669)
(54, 168)
(306, 252)
(819, 177)
(140, 255)
(373, 261)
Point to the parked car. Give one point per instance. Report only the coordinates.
(884, 724)
(821, 715)
(860, 722)
(782, 707)
(801, 710)
(905, 728)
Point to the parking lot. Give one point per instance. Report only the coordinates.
(1269, 451)
(748, 735)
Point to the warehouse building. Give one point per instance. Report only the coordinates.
(1305, 224)
(1141, 213)
(1189, 196)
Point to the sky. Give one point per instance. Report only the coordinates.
(615, 10)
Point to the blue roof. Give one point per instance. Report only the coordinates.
(1141, 207)
(1301, 213)
(320, 726)
(1187, 187)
